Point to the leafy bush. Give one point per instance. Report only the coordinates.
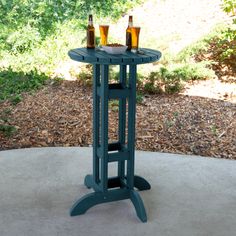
(170, 79)
(23, 39)
(229, 6)
(227, 43)
(228, 36)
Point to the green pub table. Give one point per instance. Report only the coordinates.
(122, 151)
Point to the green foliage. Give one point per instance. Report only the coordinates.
(170, 79)
(7, 130)
(4, 115)
(139, 97)
(113, 105)
(13, 83)
(229, 6)
(214, 129)
(45, 15)
(23, 39)
(35, 37)
(16, 99)
(228, 37)
(163, 81)
(226, 42)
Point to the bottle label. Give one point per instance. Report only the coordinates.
(90, 38)
(128, 40)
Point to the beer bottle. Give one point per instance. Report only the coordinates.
(90, 33)
(128, 33)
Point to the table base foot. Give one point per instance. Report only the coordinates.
(141, 184)
(138, 205)
(92, 199)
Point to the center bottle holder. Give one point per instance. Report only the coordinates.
(122, 152)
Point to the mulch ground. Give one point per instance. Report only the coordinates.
(61, 115)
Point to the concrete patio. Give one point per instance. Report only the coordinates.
(190, 196)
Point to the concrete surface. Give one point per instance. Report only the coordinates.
(190, 196)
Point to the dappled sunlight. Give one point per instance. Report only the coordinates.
(171, 24)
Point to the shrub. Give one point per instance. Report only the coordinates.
(229, 6)
(228, 36)
(24, 39)
(170, 79)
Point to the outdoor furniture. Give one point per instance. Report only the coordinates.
(121, 186)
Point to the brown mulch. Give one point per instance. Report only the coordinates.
(61, 115)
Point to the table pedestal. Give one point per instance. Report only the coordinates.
(121, 186)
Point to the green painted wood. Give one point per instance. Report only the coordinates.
(96, 53)
(141, 184)
(118, 93)
(131, 124)
(96, 56)
(74, 55)
(118, 156)
(92, 199)
(90, 183)
(122, 120)
(138, 205)
(104, 127)
(122, 150)
(87, 57)
(115, 91)
(96, 118)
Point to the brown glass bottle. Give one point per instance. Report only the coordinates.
(128, 33)
(90, 33)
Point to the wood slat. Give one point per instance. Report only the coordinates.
(88, 56)
(96, 56)
(101, 57)
(152, 52)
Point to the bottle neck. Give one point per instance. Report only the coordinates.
(130, 24)
(90, 22)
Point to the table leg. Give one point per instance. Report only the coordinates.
(134, 195)
(96, 122)
(131, 124)
(99, 181)
(104, 127)
(122, 120)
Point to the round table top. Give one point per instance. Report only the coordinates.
(96, 56)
